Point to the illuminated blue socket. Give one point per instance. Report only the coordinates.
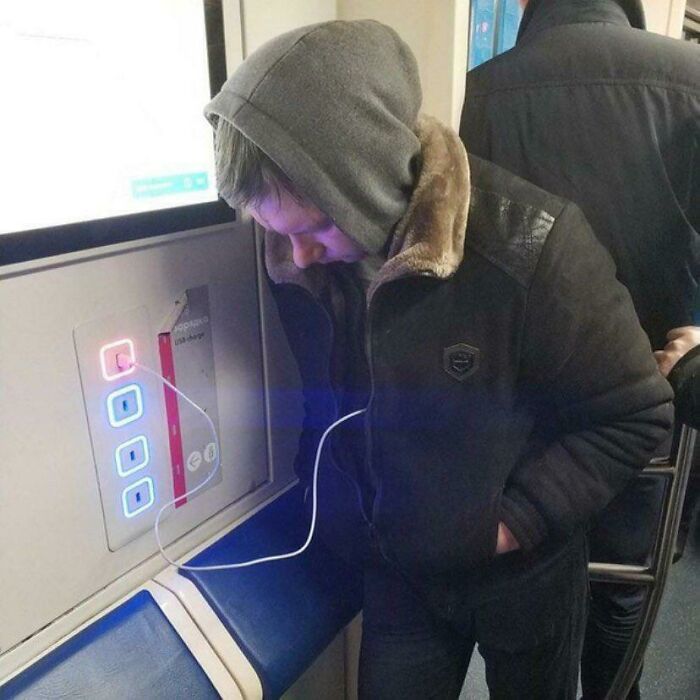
(125, 405)
(132, 455)
(138, 497)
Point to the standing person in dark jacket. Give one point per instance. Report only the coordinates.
(509, 390)
(592, 108)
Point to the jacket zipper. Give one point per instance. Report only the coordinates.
(368, 417)
(337, 412)
(370, 404)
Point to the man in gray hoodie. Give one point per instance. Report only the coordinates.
(505, 391)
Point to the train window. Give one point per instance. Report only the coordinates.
(103, 138)
(493, 28)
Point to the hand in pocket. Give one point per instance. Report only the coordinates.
(505, 542)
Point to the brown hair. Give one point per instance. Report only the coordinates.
(244, 173)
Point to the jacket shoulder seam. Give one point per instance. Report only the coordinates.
(515, 254)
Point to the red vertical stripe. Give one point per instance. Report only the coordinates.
(172, 412)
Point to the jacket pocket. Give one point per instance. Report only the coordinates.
(453, 537)
(537, 604)
(493, 526)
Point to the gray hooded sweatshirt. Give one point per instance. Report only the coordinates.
(334, 105)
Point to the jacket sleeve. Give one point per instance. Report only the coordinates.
(586, 366)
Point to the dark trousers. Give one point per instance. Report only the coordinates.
(624, 534)
(529, 632)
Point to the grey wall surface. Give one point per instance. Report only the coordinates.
(54, 560)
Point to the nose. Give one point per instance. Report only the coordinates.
(306, 252)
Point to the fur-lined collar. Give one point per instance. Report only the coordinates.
(429, 238)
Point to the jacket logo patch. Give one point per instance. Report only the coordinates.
(460, 361)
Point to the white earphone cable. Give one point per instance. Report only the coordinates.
(261, 560)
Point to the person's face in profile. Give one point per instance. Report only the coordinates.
(314, 236)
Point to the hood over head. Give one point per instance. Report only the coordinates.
(539, 14)
(334, 105)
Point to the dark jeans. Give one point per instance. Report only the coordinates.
(624, 534)
(529, 633)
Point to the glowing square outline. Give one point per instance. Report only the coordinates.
(151, 490)
(146, 453)
(103, 362)
(120, 392)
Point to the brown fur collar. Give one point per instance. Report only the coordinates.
(429, 238)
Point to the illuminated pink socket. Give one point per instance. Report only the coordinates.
(111, 369)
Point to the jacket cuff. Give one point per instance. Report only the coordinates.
(522, 519)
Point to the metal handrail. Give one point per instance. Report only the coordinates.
(620, 573)
(655, 575)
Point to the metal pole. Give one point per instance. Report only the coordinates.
(629, 668)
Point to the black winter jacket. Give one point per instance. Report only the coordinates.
(507, 376)
(608, 117)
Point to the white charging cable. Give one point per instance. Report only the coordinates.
(128, 362)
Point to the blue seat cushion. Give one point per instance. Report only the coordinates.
(282, 614)
(132, 652)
